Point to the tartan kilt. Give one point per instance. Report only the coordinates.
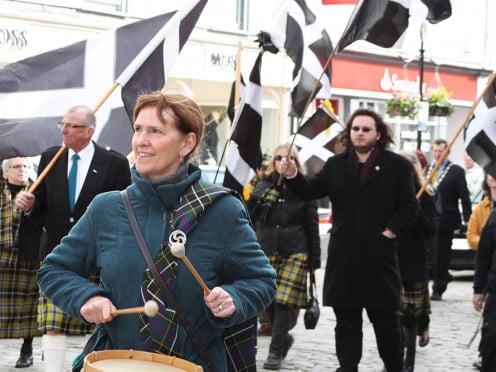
(292, 273)
(19, 300)
(52, 318)
(413, 297)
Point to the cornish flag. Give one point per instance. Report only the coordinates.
(308, 45)
(36, 92)
(384, 22)
(480, 134)
(245, 154)
(316, 139)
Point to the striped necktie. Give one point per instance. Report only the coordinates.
(73, 180)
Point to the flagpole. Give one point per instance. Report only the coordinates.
(317, 82)
(464, 124)
(237, 86)
(59, 153)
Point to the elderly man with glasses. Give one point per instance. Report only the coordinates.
(82, 172)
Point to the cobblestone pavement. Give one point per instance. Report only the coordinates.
(453, 323)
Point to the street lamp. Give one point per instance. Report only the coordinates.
(423, 29)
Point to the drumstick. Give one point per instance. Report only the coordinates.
(177, 241)
(195, 274)
(150, 309)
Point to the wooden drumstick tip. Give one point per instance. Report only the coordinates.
(150, 308)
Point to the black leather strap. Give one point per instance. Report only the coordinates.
(313, 285)
(163, 287)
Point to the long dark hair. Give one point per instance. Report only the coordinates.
(384, 142)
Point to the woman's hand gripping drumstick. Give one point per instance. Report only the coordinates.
(150, 309)
(100, 309)
(218, 300)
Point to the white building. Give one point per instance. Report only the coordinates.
(460, 53)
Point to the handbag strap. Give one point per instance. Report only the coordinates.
(163, 287)
(313, 285)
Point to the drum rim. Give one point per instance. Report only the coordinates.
(132, 354)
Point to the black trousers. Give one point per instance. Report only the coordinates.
(443, 256)
(348, 335)
(488, 335)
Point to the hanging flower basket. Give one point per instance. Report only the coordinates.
(402, 106)
(439, 104)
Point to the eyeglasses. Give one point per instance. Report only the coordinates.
(280, 157)
(363, 129)
(18, 166)
(61, 124)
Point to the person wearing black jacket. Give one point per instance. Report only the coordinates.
(288, 232)
(485, 292)
(373, 201)
(412, 258)
(451, 188)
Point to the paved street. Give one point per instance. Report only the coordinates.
(452, 326)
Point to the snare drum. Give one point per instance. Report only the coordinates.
(132, 360)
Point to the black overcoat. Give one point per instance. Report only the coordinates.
(412, 250)
(362, 265)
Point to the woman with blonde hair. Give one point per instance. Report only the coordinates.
(288, 232)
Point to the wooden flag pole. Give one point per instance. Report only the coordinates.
(237, 98)
(462, 126)
(126, 75)
(59, 153)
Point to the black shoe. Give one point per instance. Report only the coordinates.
(424, 338)
(26, 357)
(290, 341)
(436, 296)
(273, 362)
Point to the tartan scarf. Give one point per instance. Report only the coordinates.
(159, 333)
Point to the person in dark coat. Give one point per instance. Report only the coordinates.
(287, 229)
(412, 258)
(484, 298)
(373, 200)
(451, 188)
(98, 170)
(19, 243)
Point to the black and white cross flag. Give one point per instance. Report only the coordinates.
(36, 92)
(480, 134)
(309, 47)
(245, 154)
(384, 22)
(316, 139)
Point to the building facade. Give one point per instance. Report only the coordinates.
(363, 75)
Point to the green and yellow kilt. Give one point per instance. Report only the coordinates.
(52, 318)
(292, 273)
(413, 298)
(19, 300)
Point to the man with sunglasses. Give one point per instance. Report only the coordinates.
(373, 200)
(82, 172)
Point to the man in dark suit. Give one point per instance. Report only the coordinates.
(373, 201)
(83, 171)
(451, 186)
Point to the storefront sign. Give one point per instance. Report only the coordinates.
(375, 77)
(13, 38)
(222, 61)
